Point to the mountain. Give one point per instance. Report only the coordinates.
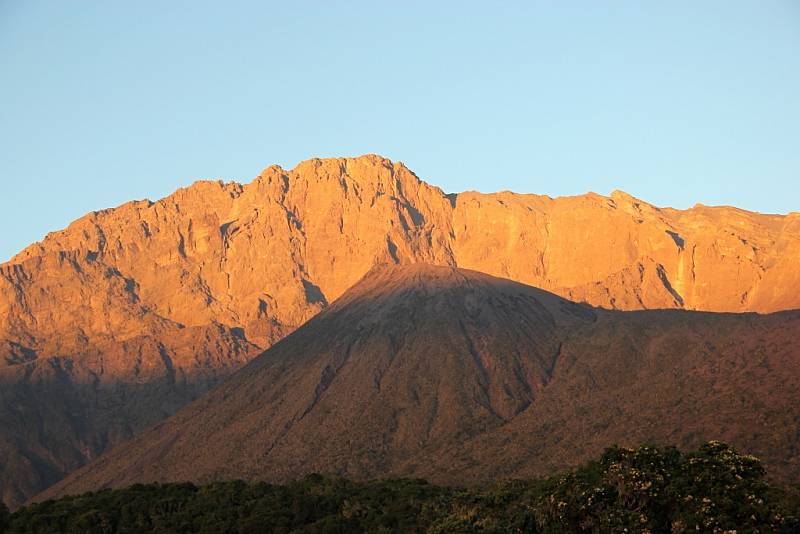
(460, 377)
(166, 298)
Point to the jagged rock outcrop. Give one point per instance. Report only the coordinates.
(250, 263)
(459, 377)
(268, 255)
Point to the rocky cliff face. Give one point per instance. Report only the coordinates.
(193, 285)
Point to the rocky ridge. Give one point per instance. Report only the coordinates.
(185, 289)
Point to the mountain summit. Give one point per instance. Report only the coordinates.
(129, 313)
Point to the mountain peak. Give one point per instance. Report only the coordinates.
(117, 287)
(460, 377)
(621, 196)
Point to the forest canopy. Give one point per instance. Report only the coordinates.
(648, 489)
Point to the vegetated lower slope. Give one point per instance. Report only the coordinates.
(122, 298)
(460, 378)
(648, 489)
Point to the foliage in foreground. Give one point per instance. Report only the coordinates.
(647, 489)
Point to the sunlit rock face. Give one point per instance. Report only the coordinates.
(182, 291)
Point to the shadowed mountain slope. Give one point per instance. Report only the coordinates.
(460, 377)
(125, 296)
(57, 413)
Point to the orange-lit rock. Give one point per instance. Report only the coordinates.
(247, 264)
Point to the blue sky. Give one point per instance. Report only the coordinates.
(674, 102)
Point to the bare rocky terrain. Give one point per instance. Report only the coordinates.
(130, 313)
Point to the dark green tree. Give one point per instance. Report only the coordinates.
(5, 517)
(714, 489)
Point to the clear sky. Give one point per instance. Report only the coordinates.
(675, 102)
